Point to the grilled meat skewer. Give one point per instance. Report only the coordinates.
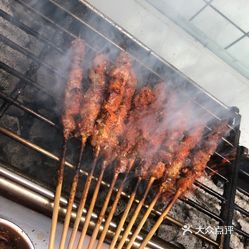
(71, 110)
(127, 151)
(90, 107)
(73, 90)
(200, 160)
(94, 96)
(148, 147)
(103, 138)
(170, 173)
(118, 131)
(142, 101)
(173, 171)
(115, 108)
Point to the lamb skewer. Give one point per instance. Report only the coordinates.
(104, 138)
(148, 147)
(90, 108)
(156, 113)
(126, 161)
(119, 130)
(173, 160)
(158, 173)
(199, 161)
(71, 110)
(171, 174)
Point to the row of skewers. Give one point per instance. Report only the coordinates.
(147, 130)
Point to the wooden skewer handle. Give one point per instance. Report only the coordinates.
(72, 195)
(55, 215)
(90, 210)
(124, 216)
(57, 196)
(102, 212)
(141, 223)
(160, 220)
(69, 211)
(80, 211)
(135, 214)
(109, 218)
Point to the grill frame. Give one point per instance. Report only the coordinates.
(229, 190)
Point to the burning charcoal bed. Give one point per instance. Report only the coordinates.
(36, 58)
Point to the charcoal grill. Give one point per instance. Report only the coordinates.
(54, 24)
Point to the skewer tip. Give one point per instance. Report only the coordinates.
(83, 138)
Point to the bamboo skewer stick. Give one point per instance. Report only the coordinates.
(145, 216)
(102, 212)
(90, 210)
(72, 196)
(111, 213)
(82, 202)
(161, 219)
(135, 214)
(114, 206)
(60, 176)
(124, 216)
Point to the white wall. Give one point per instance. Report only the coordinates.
(183, 51)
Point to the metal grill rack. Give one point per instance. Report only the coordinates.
(239, 188)
(107, 35)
